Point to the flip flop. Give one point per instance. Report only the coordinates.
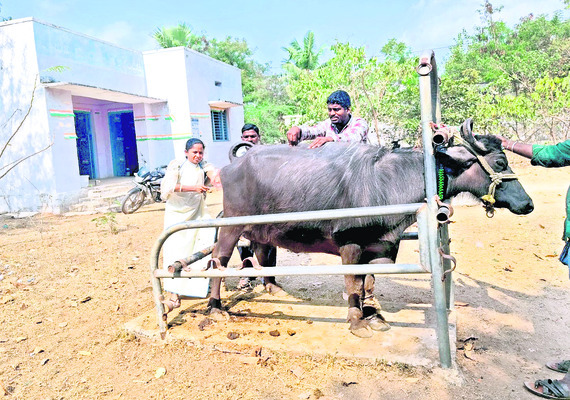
(549, 389)
(559, 366)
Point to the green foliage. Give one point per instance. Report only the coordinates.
(58, 68)
(511, 81)
(385, 93)
(305, 57)
(174, 36)
(109, 220)
(265, 105)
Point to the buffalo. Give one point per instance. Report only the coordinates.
(281, 179)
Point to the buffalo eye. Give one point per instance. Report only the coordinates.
(501, 164)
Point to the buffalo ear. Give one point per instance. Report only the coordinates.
(456, 157)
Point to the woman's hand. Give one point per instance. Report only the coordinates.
(215, 178)
(197, 188)
(200, 189)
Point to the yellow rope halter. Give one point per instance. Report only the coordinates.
(496, 177)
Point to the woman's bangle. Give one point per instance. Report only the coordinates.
(513, 146)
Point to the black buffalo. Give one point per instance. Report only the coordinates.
(280, 179)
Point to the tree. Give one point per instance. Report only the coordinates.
(496, 74)
(264, 97)
(302, 58)
(384, 92)
(180, 35)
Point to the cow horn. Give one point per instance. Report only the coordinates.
(467, 134)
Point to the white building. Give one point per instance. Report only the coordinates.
(102, 110)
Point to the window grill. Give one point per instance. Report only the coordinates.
(219, 126)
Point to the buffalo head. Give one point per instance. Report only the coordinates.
(477, 164)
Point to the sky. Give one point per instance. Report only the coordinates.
(269, 25)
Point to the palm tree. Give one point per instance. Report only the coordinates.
(305, 57)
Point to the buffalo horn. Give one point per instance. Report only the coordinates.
(467, 134)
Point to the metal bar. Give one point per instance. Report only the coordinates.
(423, 237)
(426, 117)
(449, 287)
(295, 270)
(321, 215)
(157, 295)
(428, 114)
(177, 265)
(409, 236)
(440, 303)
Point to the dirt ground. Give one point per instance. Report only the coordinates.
(68, 284)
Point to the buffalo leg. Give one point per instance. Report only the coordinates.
(350, 254)
(384, 252)
(227, 240)
(371, 306)
(267, 257)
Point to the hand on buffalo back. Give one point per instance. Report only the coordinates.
(293, 135)
(318, 142)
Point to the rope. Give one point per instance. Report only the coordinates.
(441, 182)
(496, 177)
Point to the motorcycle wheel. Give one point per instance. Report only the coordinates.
(133, 201)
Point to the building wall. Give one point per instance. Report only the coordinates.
(33, 51)
(203, 73)
(187, 80)
(30, 183)
(153, 128)
(87, 61)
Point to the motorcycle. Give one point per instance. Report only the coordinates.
(147, 186)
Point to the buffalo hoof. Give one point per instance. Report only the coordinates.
(358, 326)
(378, 323)
(275, 290)
(219, 315)
(361, 328)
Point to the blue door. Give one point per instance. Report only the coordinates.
(123, 143)
(85, 145)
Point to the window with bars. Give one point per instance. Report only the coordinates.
(219, 126)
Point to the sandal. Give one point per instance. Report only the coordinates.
(549, 388)
(559, 366)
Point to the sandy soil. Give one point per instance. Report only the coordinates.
(69, 283)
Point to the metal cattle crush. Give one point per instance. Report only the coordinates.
(432, 236)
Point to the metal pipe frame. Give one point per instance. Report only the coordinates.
(257, 220)
(349, 269)
(430, 238)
